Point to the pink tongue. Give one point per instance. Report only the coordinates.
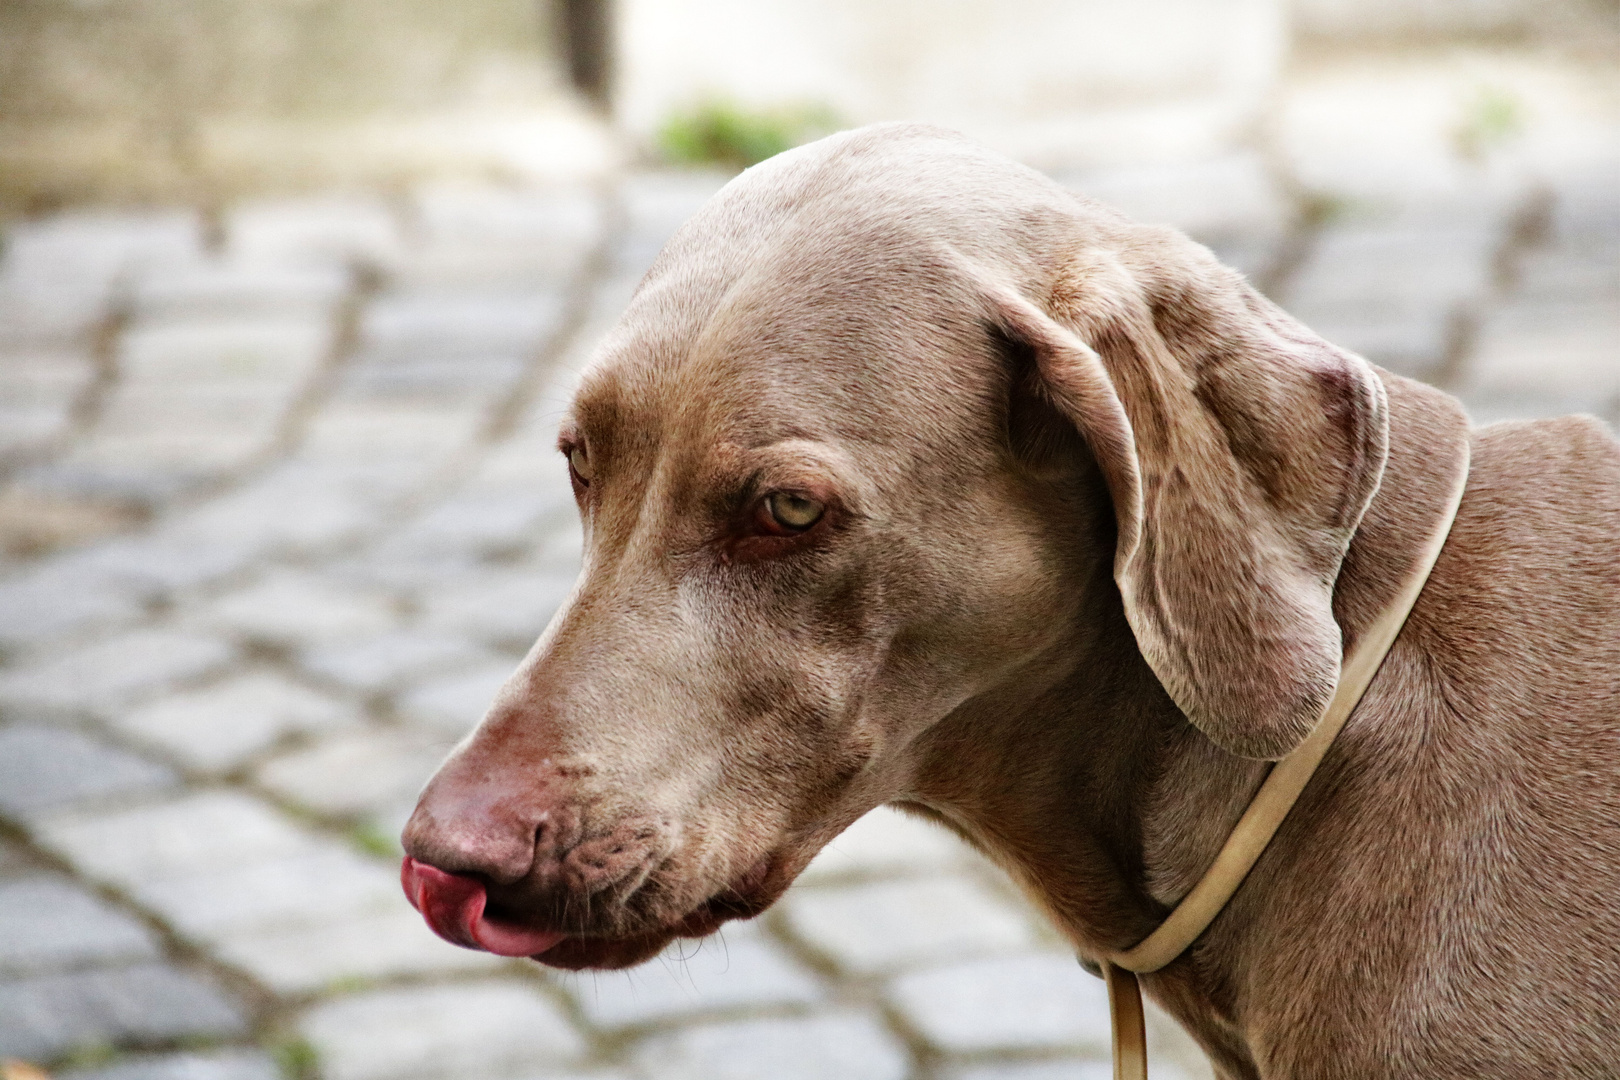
(453, 905)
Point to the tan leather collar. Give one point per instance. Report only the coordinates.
(1265, 813)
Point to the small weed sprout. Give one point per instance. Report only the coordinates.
(1491, 119)
(724, 133)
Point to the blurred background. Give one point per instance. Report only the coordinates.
(291, 294)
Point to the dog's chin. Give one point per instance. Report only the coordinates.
(743, 899)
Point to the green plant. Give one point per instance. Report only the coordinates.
(1492, 118)
(297, 1059)
(724, 133)
(373, 841)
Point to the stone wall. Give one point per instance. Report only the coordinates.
(152, 98)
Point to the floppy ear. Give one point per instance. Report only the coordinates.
(1240, 451)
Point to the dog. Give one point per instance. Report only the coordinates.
(911, 477)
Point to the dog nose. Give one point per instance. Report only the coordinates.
(468, 822)
(454, 906)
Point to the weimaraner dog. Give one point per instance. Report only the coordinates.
(910, 477)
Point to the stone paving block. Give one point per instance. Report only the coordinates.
(883, 925)
(399, 657)
(48, 923)
(416, 436)
(114, 670)
(339, 951)
(1037, 1001)
(322, 883)
(1547, 358)
(459, 320)
(58, 275)
(294, 608)
(1391, 291)
(1093, 1068)
(301, 503)
(208, 288)
(886, 842)
(216, 1065)
(270, 351)
(352, 773)
(1217, 199)
(201, 832)
(505, 605)
(485, 215)
(1059, 1069)
(163, 558)
(44, 1016)
(484, 522)
(468, 375)
(38, 388)
(319, 231)
(217, 728)
(48, 601)
(739, 969)
(838, 1046)
(49, 768)
(453, 704)
(458, 1032)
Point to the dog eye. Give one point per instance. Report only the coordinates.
(580, 464)
(793, 512)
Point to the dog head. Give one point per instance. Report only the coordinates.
(852, 459)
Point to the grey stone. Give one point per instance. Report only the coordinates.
(45, 1016)
(296, 608)
(1544, 358)
(460, 319)
(298, 503)
(838, 1046)
(318, 231)
(457, 1032)
(59, 275)
(1040, 1001)
(49, 602)
(49, 768)
(736, 970)
(1090, 1068)
(200, 832)
(341, 950)
(400, 657)
(411, 438)
(324, 882)
(164, 558)
(498, 606)
(347, 774)
(114, 670)
(452, 705)
(219, 727)
(887, 924)
(216, 1065)
(1059, 1069)
(888, 842)
(209, 288)
(484, 522)
(484, 216)
(46, 923)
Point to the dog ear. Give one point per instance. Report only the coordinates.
(1240, 451)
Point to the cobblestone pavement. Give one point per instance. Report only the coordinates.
(310, 445)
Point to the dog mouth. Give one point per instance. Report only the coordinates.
(456, 907)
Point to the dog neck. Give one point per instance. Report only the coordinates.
(1100, 799)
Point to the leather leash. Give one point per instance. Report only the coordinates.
(1264, 815)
